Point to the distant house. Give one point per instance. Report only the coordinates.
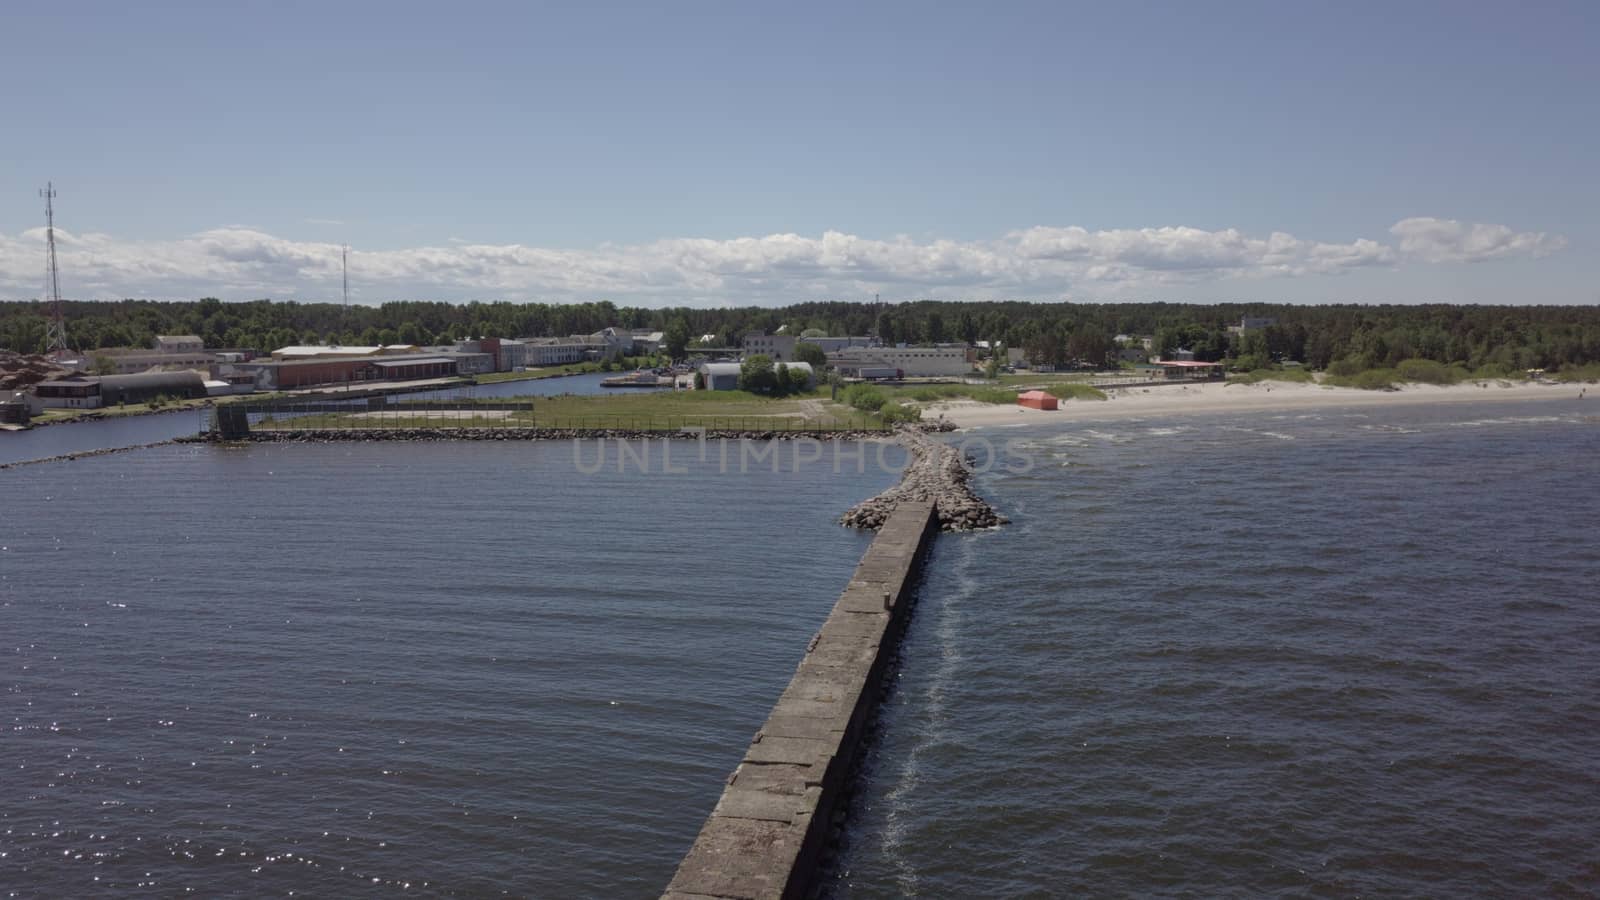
(1174, 370)
(1252, 323)
(72, 392)
(645, 341)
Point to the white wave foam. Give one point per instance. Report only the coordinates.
(898, 799)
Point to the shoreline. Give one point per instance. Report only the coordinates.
(1239, 397)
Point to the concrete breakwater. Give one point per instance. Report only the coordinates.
(767, 833)
(936, 472)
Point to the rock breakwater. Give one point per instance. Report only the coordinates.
(937, 472)
(363, 435)
(86, 454)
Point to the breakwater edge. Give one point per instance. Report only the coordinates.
(770, 828)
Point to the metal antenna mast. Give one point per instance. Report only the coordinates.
(57, 334)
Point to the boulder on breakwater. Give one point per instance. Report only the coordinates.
(937, 472)
(88, 454)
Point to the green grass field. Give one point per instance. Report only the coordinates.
(655, 411)
(1040, 379)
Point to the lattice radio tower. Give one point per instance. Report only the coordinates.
(57, 334)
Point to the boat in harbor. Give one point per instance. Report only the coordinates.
(640, 379)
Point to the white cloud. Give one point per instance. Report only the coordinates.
(1446, 240)
(240, 262)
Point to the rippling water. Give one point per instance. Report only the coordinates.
(343, 670)
(1335, 654)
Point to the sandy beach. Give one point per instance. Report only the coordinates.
(1222, 397)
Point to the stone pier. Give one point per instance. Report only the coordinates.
(765, 837)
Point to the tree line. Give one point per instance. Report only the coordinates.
(1363, 336)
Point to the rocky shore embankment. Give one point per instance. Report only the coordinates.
(373, 435)
(937, 472)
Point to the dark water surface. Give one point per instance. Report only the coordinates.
(131, 431)
(342, 670)
(1339, 653)
(1329, 654)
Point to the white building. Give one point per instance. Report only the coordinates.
(645, 341)
(835, 344)
(1252, 323)
(554, 351)
(170, 352)
(720, 376)
(297, 352)
(179, 343)
(725, 376)
(613, 342)
(913, 362)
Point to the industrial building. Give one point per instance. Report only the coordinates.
(555, 351)
(720, 376)
(778, 346)
(835, 344)
(912, 362)
(725, 376)
(298, 352)
(73, 392)
(183, 351)
(95, 391)
(278, 375)
(117, 389)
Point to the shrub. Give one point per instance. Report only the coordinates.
(1369, 380)
(1344, 368)
(1297, 375)
(1076, 392)
(757, 375)
(1496, 370)
(1575, 372)
(1425, 371)
(864, 397)
(899, 412)
(993, 395)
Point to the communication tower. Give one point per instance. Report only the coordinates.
(57, 333)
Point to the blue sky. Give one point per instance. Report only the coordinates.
(736, 153)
